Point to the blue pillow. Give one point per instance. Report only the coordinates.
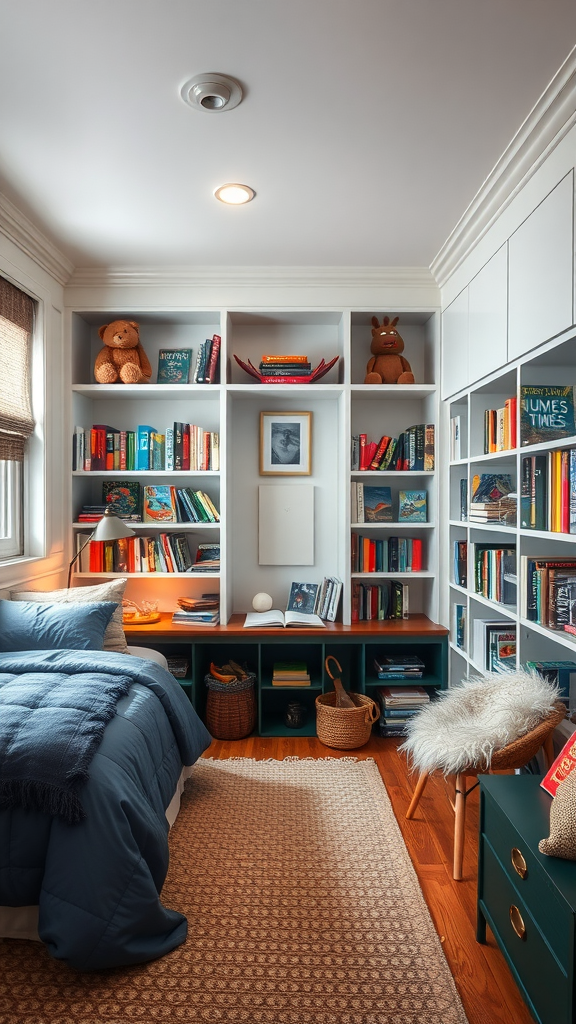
(39, 626)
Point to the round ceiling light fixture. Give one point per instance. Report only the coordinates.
(212, 92)
(234, 194)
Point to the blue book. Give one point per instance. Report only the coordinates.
(546, 413)
(412, 507)
(143, 446)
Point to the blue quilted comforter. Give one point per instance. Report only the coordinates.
(97, 882)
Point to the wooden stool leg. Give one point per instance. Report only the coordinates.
(423, 779)
(548, 748)
(459, 821)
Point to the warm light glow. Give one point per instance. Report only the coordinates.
(234, 194)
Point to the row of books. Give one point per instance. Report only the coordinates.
(153, 503)
(500, 427)
(181, 447)
(285, 366)
(459, 617)
(495, 572)
(549, 591)
(495, 644)
(372, 504)
(413, 450)
(385, 554)
(328, 598)
(548, 491)
(206, 370)
(388, 599)
(398, 705)
(166, 552)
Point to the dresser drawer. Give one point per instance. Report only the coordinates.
(537, 969)
(553, 917)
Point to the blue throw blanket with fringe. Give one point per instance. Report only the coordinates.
(50, 728)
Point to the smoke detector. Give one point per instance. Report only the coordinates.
(212, 92)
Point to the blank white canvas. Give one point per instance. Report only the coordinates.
(286, 524)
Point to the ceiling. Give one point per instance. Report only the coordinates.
(366, 127)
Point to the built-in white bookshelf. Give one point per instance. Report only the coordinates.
(340, 403)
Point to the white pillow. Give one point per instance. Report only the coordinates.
(113, 590)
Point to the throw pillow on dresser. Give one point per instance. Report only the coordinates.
(562, 839)
(112, 590)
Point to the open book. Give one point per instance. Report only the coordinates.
(277, 618)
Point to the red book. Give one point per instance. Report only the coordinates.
(369, 453)
(513, 423)
(185, 446)
(560, 769)
(372, 556)
(380, 452)
(416, 554)
(363, 440)
(96, 563)
(210, 372)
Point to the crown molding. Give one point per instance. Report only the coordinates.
(250, 277)
(548, 122)
(20, 230)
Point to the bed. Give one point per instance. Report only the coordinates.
(93, 886)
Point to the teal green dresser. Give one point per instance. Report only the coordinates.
(527, 899)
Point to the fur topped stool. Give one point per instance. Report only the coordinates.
(491, 723)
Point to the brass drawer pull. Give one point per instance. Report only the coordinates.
(518, 863)
(517, 922)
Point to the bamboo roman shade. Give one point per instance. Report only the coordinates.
(16, 324)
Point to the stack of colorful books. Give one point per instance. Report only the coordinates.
(398, 704)
(285, 366)
(290, 673)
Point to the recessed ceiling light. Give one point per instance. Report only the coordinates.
(212, 92)
(234, 194)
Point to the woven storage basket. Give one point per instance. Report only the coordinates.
(345, 728)
(230, 708)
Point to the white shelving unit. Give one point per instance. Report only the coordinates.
(341, 405)
(552, 363)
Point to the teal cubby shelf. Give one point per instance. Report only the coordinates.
(354, 647)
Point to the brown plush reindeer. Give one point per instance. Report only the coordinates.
(387, 366)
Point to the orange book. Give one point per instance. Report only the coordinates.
(513, 423)
(284, 359)
(365, 554)
(96, 563)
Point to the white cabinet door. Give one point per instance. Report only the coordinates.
(455, 345)
(541, 272)
(488, 317)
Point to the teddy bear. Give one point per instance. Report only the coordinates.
(122, 360)
(387, 366)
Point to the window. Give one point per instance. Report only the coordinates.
(16, 423)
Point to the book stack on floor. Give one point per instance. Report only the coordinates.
(202, 611)
(413, 449)
(290, 673)
(282, 368)
(398, 704)
(493, 499)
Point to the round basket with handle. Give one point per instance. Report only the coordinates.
(230, 708)
(341, 726)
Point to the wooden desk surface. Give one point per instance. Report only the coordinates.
(416, 625)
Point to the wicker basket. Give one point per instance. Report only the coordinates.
(230, 708)
(345, 728)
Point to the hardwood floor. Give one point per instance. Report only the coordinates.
(486, 987)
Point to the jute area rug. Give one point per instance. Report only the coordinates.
(303, 908)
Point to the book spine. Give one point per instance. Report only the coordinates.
(169, 449)
(210, 375)
(363, 440)
(360, 503)
(572, 490)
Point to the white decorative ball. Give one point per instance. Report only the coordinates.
(262, 603)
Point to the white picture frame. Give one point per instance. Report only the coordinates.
(285, 443)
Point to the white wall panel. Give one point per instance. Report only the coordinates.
(488, 317)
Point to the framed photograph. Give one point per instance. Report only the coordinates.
(285, 443)
(302, 598)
